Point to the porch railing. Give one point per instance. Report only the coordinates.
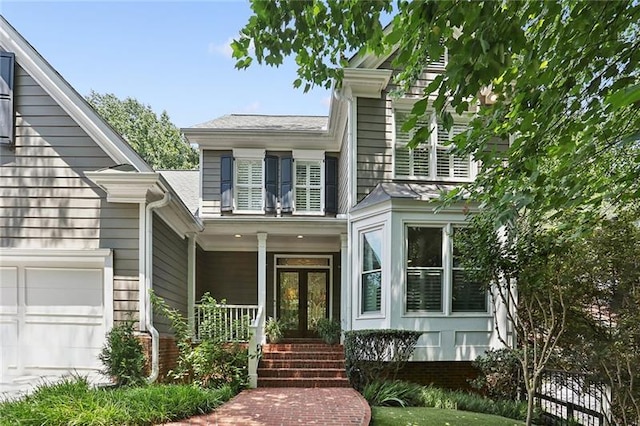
(230, 323)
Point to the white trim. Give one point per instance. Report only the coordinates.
(28, 256)
(108, 292)
(68, 99)
(248, 153)
(142, 258)
(308, 154)
(383, 265)
(366, 83)
(191, 280)
(262, 269)
(124, 187)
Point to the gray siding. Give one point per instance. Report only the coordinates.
(170, 270)
(45, 200)
(343, 175)
(230, 276)
(211, 181)
(375, 144)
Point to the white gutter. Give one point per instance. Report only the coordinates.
(148, 285)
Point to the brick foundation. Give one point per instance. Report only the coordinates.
(444, 374)
(167, 354)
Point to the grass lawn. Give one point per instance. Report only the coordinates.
(419, 416)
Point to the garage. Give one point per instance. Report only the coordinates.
(55, 308)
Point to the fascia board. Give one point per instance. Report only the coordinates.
(366, 83)
(229, 139)
(68, 99)
(224, 225)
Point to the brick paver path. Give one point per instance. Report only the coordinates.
(289, 406)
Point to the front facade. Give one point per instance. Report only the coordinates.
(293, 217)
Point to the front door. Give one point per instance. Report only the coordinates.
(302, 300)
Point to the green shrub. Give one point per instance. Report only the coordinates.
(441, 398)
(213, 362)
(392, 393)
(500, 374)
(273, 330)
(373, 355)
(329, 330)
(73, 402)
(123, 356)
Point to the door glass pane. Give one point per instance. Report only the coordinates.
(289, 297)
(316, 297)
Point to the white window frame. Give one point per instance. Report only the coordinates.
(254, 155)
(308, 157)
(432, 146)
(447, 275)
(361, 233)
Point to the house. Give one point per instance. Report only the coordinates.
(293, 217)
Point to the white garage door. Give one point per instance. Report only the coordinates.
(54, 312)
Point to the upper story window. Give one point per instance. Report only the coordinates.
(432, 159)
(249, 184)
(7, 68)
(304, 182)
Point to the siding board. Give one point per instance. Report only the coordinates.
(211, 181)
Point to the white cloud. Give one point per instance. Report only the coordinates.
(223, 49)
(252, 107)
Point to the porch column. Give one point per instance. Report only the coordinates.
(262, 270)
(345, 284)
(191, 281)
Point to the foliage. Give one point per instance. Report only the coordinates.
(123, 356)
(211, 363)
(606, 341)
(420, 416)
(549, 296)
(154, 137)
(372, 355)
(74, 402)
(392, 393)
(448, 399)
(563, 77)
(500, 374)
(273, 330)
(329, 330)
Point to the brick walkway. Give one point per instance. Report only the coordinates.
(289, 406)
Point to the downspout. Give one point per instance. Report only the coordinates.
(148, 285)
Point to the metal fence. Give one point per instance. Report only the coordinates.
(573, 398)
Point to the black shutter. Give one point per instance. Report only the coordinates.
(286, 184)
(7, 65)
(226, 183)
(331, 185)
(270, 183)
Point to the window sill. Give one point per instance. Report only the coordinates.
(443, 315)
(249, 212)
(370, 316)
(303, 213)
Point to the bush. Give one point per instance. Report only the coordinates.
(500, 374)
(123, 356)
(373, 355)
(213, 362)
(73, 402)
(392, 393)
(441, 398)
(329, 330)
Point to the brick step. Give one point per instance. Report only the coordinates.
(307, 373)
(273, 382)
(302, 347)
(301, 363)
(294, 355)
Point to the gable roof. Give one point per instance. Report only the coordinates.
(69, 100)
(267, 122)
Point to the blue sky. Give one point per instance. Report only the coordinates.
(173, 56)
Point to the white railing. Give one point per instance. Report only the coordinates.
(256, 330)
(230, 323)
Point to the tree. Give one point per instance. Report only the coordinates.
(155, 138)
(564, 80)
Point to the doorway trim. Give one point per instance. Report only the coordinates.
(328, 267)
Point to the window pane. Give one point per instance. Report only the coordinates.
(303, 261)
(457, 232)
(371, 286)
(372, 250)
(467, 296)
(425, 247)
(424, 290)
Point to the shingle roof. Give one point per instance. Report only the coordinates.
(266, 122)
(186, 184)
(416, 191)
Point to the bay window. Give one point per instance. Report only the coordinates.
(371, 271)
